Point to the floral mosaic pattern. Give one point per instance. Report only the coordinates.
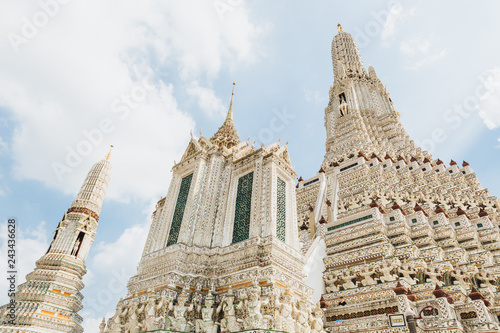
(241, 227)
(179, 210)
(281, 211)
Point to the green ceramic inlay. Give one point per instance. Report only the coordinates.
(179, 210)
(241, 227)
(350, 222)
(281, 211)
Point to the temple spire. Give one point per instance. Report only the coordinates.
(109, 153)
(227, 136)
(345, 55)
(51, 297)
(230, 112)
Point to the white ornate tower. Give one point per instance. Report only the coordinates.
(225, 230)
(360, 111)
(398, 224)
(50, 298)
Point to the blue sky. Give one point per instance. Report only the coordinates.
(60, 80)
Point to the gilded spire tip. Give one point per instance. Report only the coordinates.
(109, 153)
(339, 27)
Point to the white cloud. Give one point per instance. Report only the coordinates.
(115, 263)
(31, 244)
(421, 51)
(489, 101)
(314, 96)
(397, 14)
(124, 253)
(415, 44)
(65, 79)
(207, 101)
(428, 60)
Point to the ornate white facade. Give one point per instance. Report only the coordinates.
(223, 249)
(50, 299)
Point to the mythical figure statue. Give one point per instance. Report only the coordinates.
(102, 326)
(302, 313)
(115, 325)
(253, 304)
(228, 323)
(206, 323)
(178, 322)
(348, 284)
(317, 320)
(331, 282)
(485, 279)
(387, 272)
(406, 271)
(367, 274)
(284, 319)
(132, 312)
(75, 248)
(153, 321)
(461, 278)
(434, 276)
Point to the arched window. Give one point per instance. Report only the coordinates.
(342, 98)
(78, 244)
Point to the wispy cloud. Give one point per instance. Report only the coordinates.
(207, 101)
(489, 101)
(415, 44)
(397, 14)
(314, 96)
(421, 51)
(428, 60)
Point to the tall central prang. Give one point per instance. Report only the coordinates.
(404, 232)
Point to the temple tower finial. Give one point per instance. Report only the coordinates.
(230, 112)
(345, 55)
(109, 153)
(226, 135)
